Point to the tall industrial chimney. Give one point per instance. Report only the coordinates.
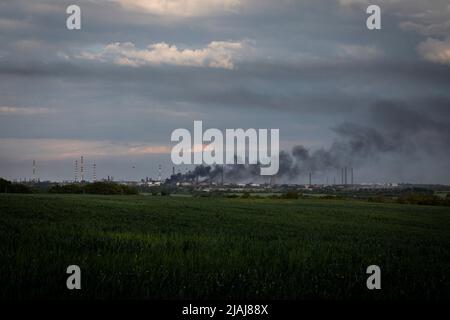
(75, 173)
(34, 170)
(94, 173)
(310, 178)
(82, 169)
(351, 170)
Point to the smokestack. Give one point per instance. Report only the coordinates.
(159, 173)
(345, 176)
(76, 171)
(310, 178)
(34, 170)
(94, 174)
(342, 175)
(352, 175)
(82, 169)
(173, 171)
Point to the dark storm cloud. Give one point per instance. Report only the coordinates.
(319, 88)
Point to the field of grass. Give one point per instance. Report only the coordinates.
(214, 248)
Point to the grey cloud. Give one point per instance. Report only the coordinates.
(297, 78)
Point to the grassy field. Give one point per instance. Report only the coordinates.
(214, 248)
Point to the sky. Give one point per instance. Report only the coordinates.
(376, 100)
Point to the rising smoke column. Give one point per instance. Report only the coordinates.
(395, 129)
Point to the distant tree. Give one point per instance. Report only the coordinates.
(245, 195)
(421, 199)
(10, 187)
(378, 198)
(291, 195)
(4, 185)
(165, 192)
(109, 188)
(69, 189)
(105, 188)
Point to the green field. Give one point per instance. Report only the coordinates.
(217, 248)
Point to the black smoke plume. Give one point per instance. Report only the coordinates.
(395, 129)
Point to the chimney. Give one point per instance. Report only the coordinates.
(82, 169)
(76, 171)
(94, 174)
(34, 170)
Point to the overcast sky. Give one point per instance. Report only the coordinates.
(138, 69)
